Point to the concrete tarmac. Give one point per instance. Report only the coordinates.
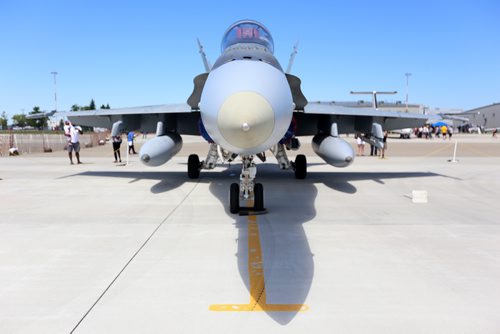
(108, 248)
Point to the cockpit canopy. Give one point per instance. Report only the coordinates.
(247, 31)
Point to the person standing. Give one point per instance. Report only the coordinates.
(130, 140)
(74, 143)
(443, 131)
(425, 131)
(117, 141)
(360, 143)
(382, 151)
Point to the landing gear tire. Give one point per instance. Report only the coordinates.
(258, 201)
(300, 167)
(193, 166)
(234, 198)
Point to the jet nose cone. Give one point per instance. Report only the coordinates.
(246, 119)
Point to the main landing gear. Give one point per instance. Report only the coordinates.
(195, 166)
(299, 166)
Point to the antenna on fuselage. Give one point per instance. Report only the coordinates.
(204, 57)
(292, 57)
(374, 96)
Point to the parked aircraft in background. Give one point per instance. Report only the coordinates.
(245, 105)
(404, 133)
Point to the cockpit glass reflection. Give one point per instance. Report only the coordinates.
(247, 31)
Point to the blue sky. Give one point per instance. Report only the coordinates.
(133, 53)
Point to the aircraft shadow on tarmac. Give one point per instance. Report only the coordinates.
(287, 258)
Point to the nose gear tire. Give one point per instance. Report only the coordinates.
(234, 198)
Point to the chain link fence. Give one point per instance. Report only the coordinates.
(27, 143)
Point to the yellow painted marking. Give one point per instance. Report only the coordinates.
(461, 148)
(258, 298)
(447, 146)
(466, 148)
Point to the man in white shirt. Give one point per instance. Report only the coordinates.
(74, 143)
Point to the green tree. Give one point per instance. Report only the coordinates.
(75, 107)
(107, 106)
(102, 106)
(91, 106)
(3, 120)
(19, 120)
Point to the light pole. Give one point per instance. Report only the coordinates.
(55, 89)
(407, 77)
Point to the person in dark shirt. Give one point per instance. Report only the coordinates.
(117, 141)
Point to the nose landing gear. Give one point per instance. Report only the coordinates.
(246, 190)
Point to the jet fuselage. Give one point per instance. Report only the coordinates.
(246, 104)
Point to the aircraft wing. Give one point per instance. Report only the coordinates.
(175, 117)
(320, 115)
(41, 115)
(454, 117)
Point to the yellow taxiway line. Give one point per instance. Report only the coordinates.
(258, 300)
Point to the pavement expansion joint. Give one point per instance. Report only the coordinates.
(133, 257)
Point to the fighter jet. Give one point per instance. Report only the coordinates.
(243, 106)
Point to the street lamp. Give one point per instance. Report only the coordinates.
(55, 89)
(407, 77)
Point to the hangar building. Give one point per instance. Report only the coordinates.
(487, 117)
